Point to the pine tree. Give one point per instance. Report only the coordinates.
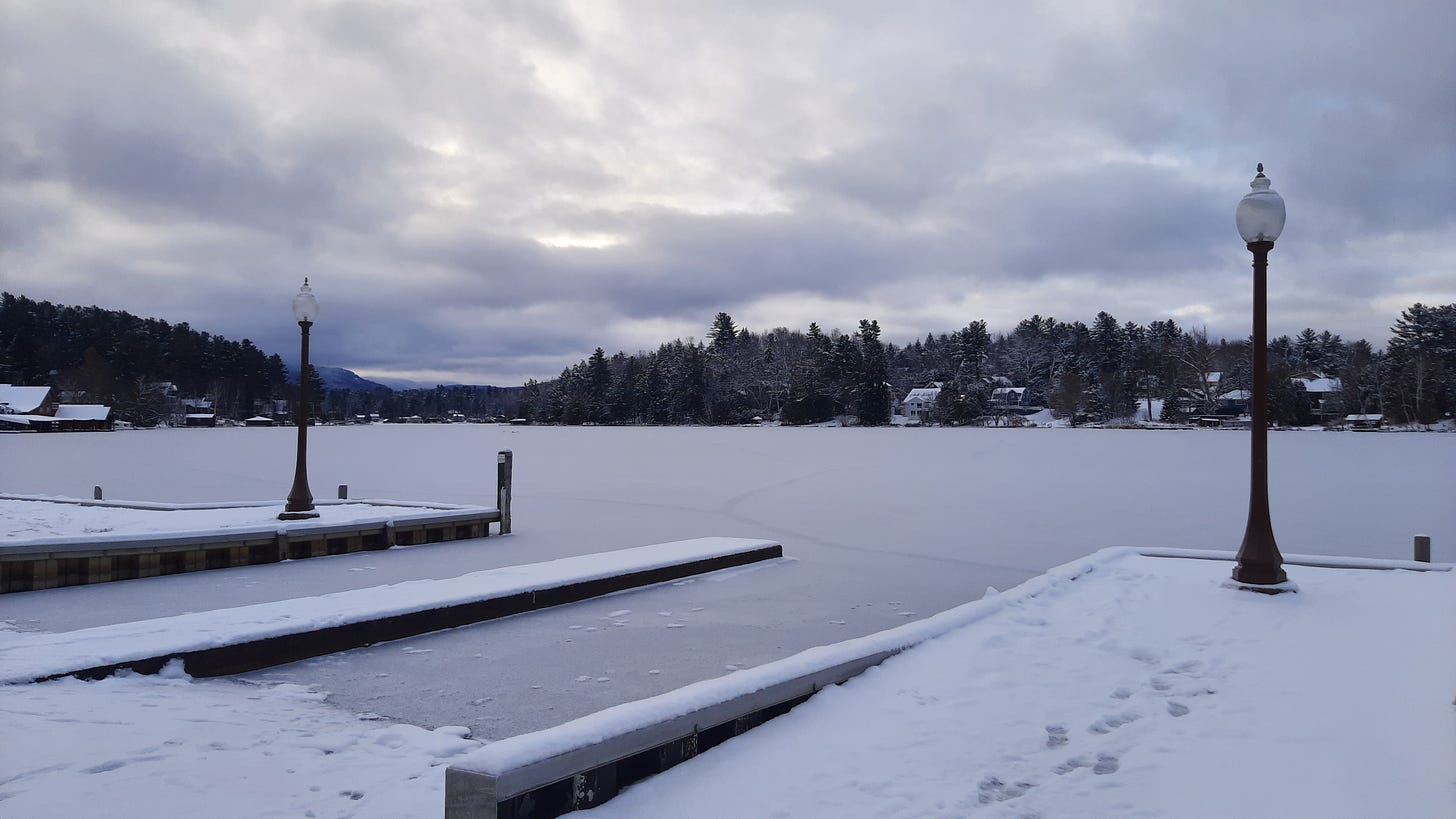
(872, 402)
(1421, 364)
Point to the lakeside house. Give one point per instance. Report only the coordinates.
(35, 409)
(1009, 396)
(919, 403)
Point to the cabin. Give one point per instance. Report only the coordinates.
(35, 409)
(83, 418)
(1365, 422)
(1324, 395)
(258, 421)
(1233, 402)
(16, 400)
(1009, 396)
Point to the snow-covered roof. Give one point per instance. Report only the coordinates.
(259, 419)
(82, 412)
(1213, 378)
(1234, 395)
(1366, 417)
(1320, 384)
(201, 415)
(1008, 390)
(924, 394)
(23, 400)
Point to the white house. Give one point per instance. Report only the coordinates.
(918, 403)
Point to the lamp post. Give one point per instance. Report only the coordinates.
(300, 500)
(1260, 218)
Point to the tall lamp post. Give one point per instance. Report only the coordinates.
(1260, 218)
(300, 500)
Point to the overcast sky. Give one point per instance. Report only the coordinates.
(484, 192)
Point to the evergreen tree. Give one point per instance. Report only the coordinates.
(1420, 371)
(873, 399)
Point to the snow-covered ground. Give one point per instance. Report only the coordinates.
(881, 525)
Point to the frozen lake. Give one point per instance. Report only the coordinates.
(879, 526)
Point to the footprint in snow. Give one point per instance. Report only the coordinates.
(618, 613)
(836, 622)
(1112, 722)
(1122, 692)
(1071, 765)
(1056, 735)
(1177, 709)
(992, 789)
(677, 625)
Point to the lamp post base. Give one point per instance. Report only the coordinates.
(1286, 587)
(297, 515)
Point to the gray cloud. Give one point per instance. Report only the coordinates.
(490, 191)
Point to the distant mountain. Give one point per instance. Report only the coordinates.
(407, 384)
(338, 378)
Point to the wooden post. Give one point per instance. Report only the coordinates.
(503, 463)
(96, 493)
(1423, 548)
(343, 491)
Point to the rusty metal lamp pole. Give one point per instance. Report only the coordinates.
(1260, 219)
(300, 499)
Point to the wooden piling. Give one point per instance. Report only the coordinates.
(503, 464)
(1423, 548)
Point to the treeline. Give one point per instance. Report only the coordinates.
(1095, 372)
(112, 357)
(437, 403)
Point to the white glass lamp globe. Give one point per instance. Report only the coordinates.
(305, 306)
(1260, 215)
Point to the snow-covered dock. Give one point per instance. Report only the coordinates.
(246, 638)
(1122, 684)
